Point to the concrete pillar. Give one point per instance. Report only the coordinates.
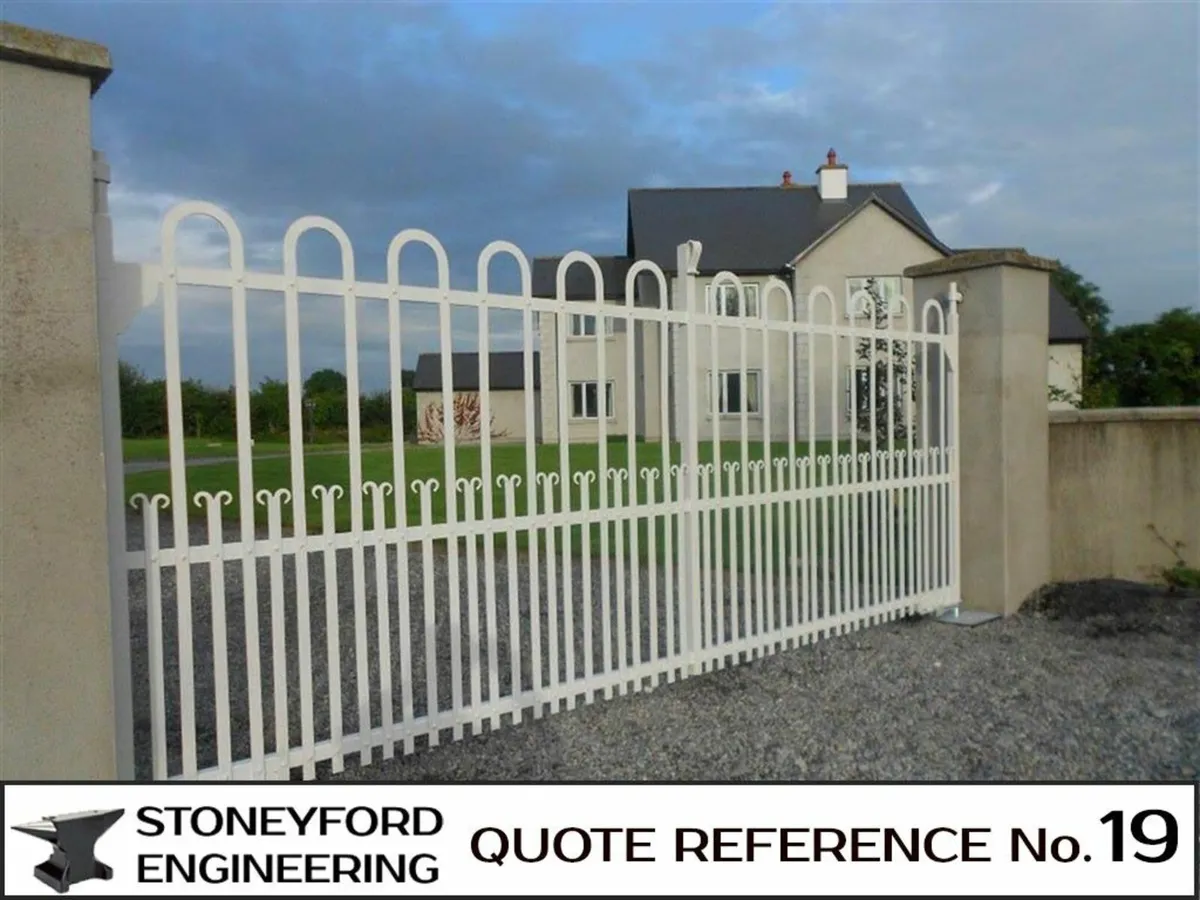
(56, 666)
(1003, 420)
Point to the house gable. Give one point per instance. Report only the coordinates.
(872, 242)
(874, 202)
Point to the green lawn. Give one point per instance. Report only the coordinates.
(149, 449)
(428, 462)
(156, 449)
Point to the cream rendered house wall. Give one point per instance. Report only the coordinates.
(869, 243)
(582, 364)
(1065, 374)
(648, 421)
(768, 357)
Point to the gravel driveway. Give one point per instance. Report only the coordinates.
(1098, 680)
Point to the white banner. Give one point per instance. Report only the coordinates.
(752, 839)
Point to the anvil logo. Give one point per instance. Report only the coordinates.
(74, 837)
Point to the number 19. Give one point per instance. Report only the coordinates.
(1137, 827)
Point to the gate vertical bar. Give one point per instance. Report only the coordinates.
(687, 262)
(450, 461)
(114, 467)
(951, 348)
(172, 369)
(295, 395)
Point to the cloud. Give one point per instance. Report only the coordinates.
(529, 123)
(917, 176)
(945, 223)
(985, 193)
(137, 232)
(1093, 139)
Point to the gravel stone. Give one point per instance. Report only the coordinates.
(1095, 680)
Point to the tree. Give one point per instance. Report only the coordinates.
(269, 407)
(408, 411)
(133, 382)
(143, 403)
(1144, 364)
(1153, 363)
(325, 381)
(890, 356)
(210, 411)
(375, 416)
(1092, 389)
(1084, 297)
(207, 411)
(130, 376)
(328, 410)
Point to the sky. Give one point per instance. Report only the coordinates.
(1070, 129)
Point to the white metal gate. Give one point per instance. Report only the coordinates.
(436, 589)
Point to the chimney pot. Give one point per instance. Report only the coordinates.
(787, 179)
(831, 157)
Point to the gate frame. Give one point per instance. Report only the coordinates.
(126, 289)
(122, 292)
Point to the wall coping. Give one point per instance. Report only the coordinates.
(1143, 414)
(47, 50)
(981, 259)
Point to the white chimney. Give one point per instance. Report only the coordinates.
(833, 178)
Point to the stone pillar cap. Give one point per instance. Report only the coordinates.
(47, 50)
(981, 259)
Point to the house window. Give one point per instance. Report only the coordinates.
(890, 288)
(858, 388)
(585, 397)
(735, 393)
(723, 299)
(585, 326)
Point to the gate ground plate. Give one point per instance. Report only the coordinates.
(968, 617)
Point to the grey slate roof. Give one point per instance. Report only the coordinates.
(1065, 325)
(581, 283)
(507, 372)
(751, 230)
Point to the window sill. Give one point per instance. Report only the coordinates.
(588, 338)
